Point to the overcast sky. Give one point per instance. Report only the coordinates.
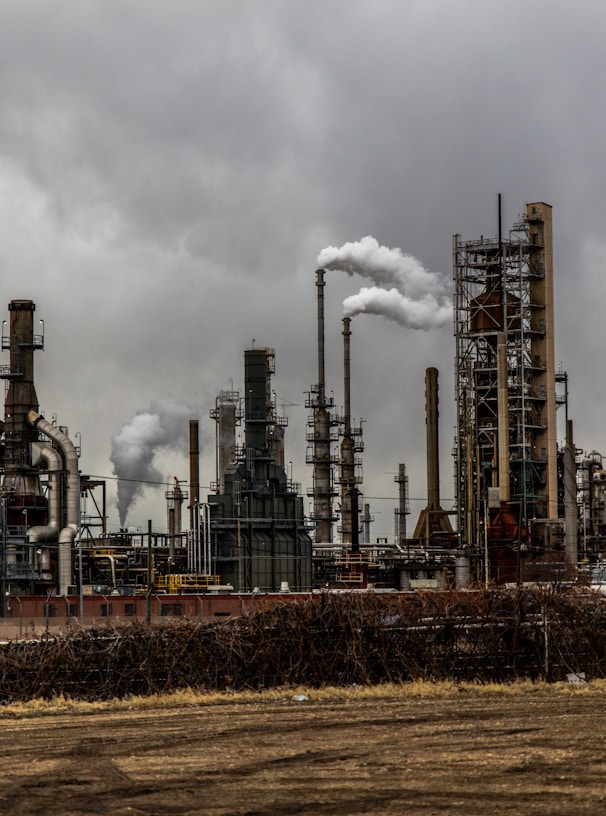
(170, 171)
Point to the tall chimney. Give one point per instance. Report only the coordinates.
(194, 471)
(348, 479)
(433, 456)
(403, 504)
(432, 518)
(322, 459)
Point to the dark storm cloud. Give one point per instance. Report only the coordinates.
(169, 173)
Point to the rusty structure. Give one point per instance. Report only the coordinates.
(506, 452)
(433, 522)
(40, 488)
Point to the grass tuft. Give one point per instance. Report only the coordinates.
(194, 698)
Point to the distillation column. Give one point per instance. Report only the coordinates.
(320, 437)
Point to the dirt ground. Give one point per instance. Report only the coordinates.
(469, 753)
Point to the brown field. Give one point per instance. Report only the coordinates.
(413, 749)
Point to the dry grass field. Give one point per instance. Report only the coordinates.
(414, 749)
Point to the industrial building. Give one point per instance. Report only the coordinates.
(524, 509)
(506, 451)
(255, 521)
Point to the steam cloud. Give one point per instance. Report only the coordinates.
(164, 425)
(416, 298)
(424, 314)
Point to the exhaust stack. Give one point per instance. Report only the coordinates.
(348, 478)
(432, 519)
(194, 471)
(320, 437)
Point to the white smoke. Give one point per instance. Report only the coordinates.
(164, 425)
(426, 313)
(416, 298)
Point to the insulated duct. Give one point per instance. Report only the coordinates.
(72, 505)
(44, 455)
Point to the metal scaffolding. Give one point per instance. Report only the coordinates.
(505, 374)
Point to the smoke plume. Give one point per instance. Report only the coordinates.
(426, 313)
(164, 425)
(415, 298)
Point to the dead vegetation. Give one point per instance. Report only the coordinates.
(328, 640)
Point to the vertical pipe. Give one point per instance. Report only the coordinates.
(355, 532)
(503, 418)
(149, 573)
(72, 500)
(570, 499)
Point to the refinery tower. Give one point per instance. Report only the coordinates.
(506, 452)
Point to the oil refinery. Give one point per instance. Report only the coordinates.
(525, 509)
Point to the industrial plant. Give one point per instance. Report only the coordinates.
(525, 509)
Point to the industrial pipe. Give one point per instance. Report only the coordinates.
(503, 418)
(43, 454)
(68, 533)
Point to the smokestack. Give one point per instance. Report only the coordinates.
(432, 519)
(322, 459)
(433, 456)
(321, 373)
(347, 373)
(348, 480)
(403, 505)
(194, 471)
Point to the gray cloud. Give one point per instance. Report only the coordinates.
(170, 172)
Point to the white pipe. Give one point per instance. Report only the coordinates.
(68, 533)
(43, 454)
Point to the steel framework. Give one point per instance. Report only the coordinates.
(505, 448)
